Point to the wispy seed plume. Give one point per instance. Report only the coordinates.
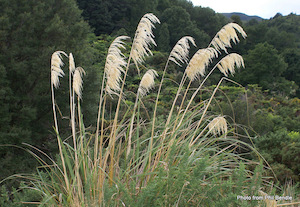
(199, 62)
(143, 38)
(77, 80)
(71, 63)
(229, 62)
(147, 82)
(228, 33)
(56, 64)
(180, 51)
(115, 61)
(218, 126)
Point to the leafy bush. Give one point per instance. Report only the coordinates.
(281, 150)
(18, 197)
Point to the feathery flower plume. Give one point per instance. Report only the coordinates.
(77, 80)
(143, 38)
(180, 51)
(147, 82)
(225, 35)
(114, 64)
(71, 63)
(56, 71)
(218, 126)
(228, 63)
(199, 62)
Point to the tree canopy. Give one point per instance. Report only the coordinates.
(30, 32)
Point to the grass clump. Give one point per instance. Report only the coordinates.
(190, 158)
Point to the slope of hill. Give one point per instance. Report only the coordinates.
(244, 17)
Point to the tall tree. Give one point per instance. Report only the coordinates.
(265, 66)
(163, 39)
(106, 16)
(292, 58)
(30, 32)
(179, 22)
(207, 20)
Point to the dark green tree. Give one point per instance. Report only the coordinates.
(138, 8)
(264, 66)
(256, 34)
(163, 39)
(236, 19)
(280, 39)
(163, 5)
(106, 16)
(5, 95)
(185, 4)
(179, 22)
(207, 20)
(30, 32)
(292, 73)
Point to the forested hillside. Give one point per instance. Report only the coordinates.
(30, 31)
(280, 36)
(242, 16)
(29, 34)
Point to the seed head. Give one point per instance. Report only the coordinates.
(77, 80)
(143, 38)
(218, 126)
(147, 82)
(180, 51)
(227, 34)
(56, 64)
(71, 63)
(115, 61)
(228, 63)
(199, 62)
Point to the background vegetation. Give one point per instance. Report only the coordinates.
(30, 31)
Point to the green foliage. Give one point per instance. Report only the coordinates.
(105, 16)
(207, 20)
(281, 149)
(30, 32)
(163, 40)
(5, 95)
(265, 66)
(292, 58)
(18, 197)
(190, 183)
(289, 25)
(257, 109)
(274, 121)
(280, 32)
(180, 23)
(236, 19)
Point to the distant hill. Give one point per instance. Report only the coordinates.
(244, 17)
